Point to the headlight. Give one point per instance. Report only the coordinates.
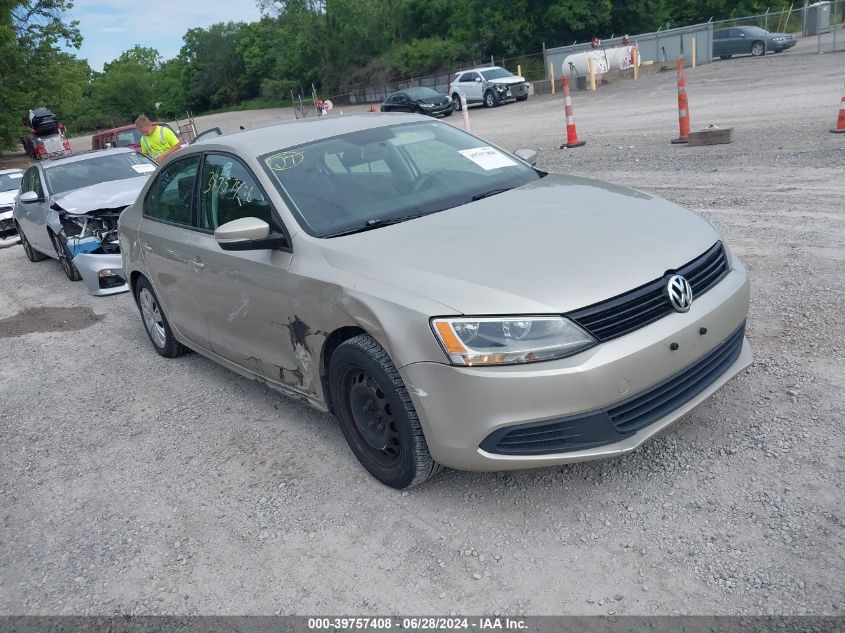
(507, 340)
(778, 39)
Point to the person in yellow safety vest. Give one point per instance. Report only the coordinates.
(157, 141)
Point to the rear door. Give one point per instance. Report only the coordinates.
(168, 246)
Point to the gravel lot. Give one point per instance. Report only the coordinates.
(134, 484)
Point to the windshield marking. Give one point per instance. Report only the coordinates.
(285, 160)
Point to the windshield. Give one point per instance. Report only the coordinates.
(96, 169)
(421, 93)
(370, 177)
(496, 73)
(128, 137)
(10, 182)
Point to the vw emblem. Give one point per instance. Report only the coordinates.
(680, 293)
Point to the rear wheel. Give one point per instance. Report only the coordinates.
(376, 414)
(155, 323)
(65, 258)
(758, 49)
(456, 99)
(490, 99)
(31, 254)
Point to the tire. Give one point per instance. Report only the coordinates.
(377, 416)
(155, 323)
(31, 254)
(449, 113)
(490, 99)
(758, 49)
(522, 98)
(65, 259)
(456, 99)
(725, 56)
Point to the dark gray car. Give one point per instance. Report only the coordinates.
(745, 40)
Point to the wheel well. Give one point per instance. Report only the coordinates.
(334, 340)
(133, 279)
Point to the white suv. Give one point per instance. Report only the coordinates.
(491, 86)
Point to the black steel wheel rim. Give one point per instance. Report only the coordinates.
(373, 423)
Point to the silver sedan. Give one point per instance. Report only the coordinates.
(450, 303)
(68, 209)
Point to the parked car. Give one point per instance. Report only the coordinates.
(123, 136)
(449, 302)
(419, 101)
(68, 209)
(743, 40)
(491, 86)
(10, 182)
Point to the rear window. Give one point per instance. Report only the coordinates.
(128, 137)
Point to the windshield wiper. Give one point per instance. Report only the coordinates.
(492, 192)
(375, 223)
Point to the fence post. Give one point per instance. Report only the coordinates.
(552, 76)
(591, 69)
(693, 52)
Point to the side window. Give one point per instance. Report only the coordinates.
(171, 196)
(228, 191)
(395, 99)
(469, 77)
(32, 182)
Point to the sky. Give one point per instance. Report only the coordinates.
(110, 27)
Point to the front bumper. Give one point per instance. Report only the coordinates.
(461, 407)
(440, 110)
(90, 265)
(8, 230)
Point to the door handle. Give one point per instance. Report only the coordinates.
(147, 247)
(197, 265)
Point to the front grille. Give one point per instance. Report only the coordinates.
(637, 308)
(606, 426)
(645, 408)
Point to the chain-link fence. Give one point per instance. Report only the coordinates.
(824, 21)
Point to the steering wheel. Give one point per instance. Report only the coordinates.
(428, 179)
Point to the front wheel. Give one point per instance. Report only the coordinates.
(65, 258)
(522, 98)
(725, 56)
(155, 323)
(490, 99)
(758, 49)
(376, 414)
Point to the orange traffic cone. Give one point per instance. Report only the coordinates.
(840, 122)
(373, 107)
(683, 105)
(571, 132)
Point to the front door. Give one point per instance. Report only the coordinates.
(248, 296)
(33, 215)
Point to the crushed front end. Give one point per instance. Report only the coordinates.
(93, 246)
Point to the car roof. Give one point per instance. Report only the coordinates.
(258, 141)
(14, 170)
(479, 69)
(64, 160)
(125, 127)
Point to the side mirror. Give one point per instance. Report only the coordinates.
(478, 79)
(247, 234)
(528, 155)
(29, 196)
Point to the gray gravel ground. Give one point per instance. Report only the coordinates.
(134, 484)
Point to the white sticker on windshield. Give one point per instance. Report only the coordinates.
(143, 169)
(487, 157)
(15, 175)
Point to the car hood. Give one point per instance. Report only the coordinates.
(557, 244)
(7, 198)
(441, 100)
(516, 79)
(113, 194)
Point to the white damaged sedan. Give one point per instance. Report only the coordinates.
(68, 209)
